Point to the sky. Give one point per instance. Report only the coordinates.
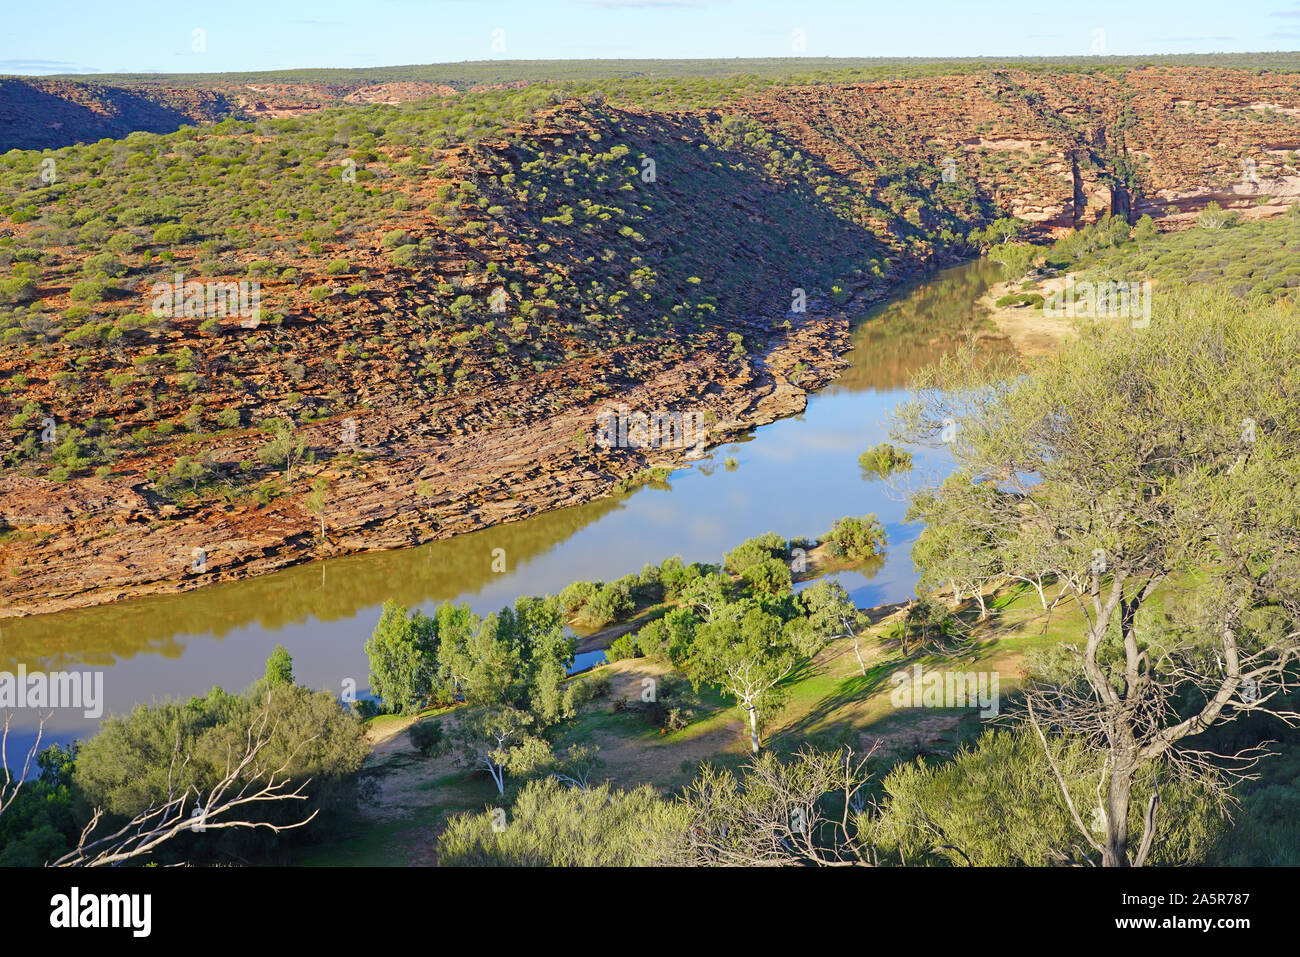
(146, 36)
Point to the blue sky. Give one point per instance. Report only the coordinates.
(146, 36)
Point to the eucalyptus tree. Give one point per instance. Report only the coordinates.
(747, 648)
(403, 655)
(487, 737)
(831, 615)
(535, 627)
(1148, 469)
(955, 548)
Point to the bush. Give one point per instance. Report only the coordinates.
(589, 688)
(884, 460)
(624, 646)
(611, 603)
(105, 263)
(1019, 299)
(666, 639)
(754, 551)
(427, 737)
(857, 538)
(173, 234)
(404, 255)
(771, 576)
(577, 594)
(92, 290)
(554, 826)
(17, 289)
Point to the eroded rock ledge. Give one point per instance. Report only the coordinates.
(426, 473)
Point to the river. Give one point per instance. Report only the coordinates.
(794, 477)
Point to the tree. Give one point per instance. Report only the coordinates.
(152, 779)
(250, 779)
(486, 738)
(403, 653)
(535, 628)
(706, 593)
(1146, 465)
(40, 822)
(745, 651)
(1145, 231)
(37, 816)
(925, 616)
(1214, 216)
(831, 615)
(279, 667)
(956, 545)
(939, 812)
(282, 450)
(1002, 230)
(484, 663)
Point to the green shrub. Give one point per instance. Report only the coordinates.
(1009, 771)
(427, 737)
(857, 538)
(554, 826)
(91, 290)
(884, 460)
(624, 646)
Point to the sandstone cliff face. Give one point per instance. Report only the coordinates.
(1062, 150)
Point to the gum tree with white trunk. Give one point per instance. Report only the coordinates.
(1153, 473)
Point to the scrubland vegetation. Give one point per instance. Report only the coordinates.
(1115, 541)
